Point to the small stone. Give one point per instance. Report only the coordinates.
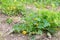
(45, 39)
(49, 35)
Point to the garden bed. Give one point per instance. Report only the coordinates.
(5, 27)
(29, 20)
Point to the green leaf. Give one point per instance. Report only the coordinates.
(9, 20)
(39, 32)
(16, 28)
(32, 38)
(46, 23)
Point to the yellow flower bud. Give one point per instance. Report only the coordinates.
(8, 8)
(11, 8)
(24, 32)
(36, 24)
(22, 0)
(33, 32)
(14, 7)
(14, 0)
(35, 18)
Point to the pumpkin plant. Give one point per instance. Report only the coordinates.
(36, 22)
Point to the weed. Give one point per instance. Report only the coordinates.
(9, 20)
